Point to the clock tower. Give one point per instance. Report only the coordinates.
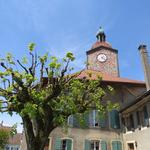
(102, 57)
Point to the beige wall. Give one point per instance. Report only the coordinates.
(142, 138)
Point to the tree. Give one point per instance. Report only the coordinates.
(5, 133)
(4, 136)
(44, 93)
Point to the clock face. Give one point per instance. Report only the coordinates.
(102, 57)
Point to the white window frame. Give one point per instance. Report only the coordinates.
(96, 139)
(131, 142)
(94, 119)
(50, 143)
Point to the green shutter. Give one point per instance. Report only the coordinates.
(57, 144)
(86, 119)
(76, 121)
(103, 145)
(102, 120)
(146, 118)
(114, 119)
(81, 120)
(69, 144)
(116, 145)
(87, 145)
(119, 144)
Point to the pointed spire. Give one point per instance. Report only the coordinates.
(101, 35)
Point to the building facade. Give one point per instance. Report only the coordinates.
(14, 142)
(108, 132)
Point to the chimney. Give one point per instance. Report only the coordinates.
(146, 65)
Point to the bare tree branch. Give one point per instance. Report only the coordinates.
(65, 69)
(3, 65)
(41, 74)
(32, 64)
(23, 66)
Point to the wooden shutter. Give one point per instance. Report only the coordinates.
(116, 145)
(81, 120)
(86, 119)
(146, 118)
(114, 119)
(119, 145)
(69, 144)
(76, 121)
(102, 120)
(103, 145)
(87, 145)
(57, 144)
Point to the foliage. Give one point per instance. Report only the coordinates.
(42, 90)
(4, 136)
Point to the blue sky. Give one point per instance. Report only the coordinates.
(58, 26)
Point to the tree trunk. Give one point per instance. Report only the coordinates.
(35, 141)
(36, 144)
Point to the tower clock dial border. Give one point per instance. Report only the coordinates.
(102, 57)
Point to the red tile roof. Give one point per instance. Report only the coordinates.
(7, 128)
(98, 44)
(106, 77)
(14, 140)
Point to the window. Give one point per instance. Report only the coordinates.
(130, 146)
(138, 119)
(130, 123)
(79, 120)
(95, 145)
(146, 118)
(70, 120)
(97, 119)
(7, 148)
(123, 124)
(63, 144)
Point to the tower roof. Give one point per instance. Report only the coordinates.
(98, 44)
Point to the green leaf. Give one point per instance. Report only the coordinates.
(70, 56)
(31, 47)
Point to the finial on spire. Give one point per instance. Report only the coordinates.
(101, 35)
